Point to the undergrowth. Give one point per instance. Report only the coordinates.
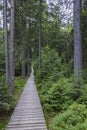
(64, 101)
(7, 101)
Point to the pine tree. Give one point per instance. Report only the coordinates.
(6, 40)
(40, 34)
(77, 40)
(12, 49)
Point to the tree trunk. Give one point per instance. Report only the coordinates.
(12, 49)
(77, 40)
(23, 60)
(29, 62)
(40, 35)
(6, 40)
(86, 16)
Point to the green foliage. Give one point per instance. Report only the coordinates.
(19, 83)
(50, 61)
(83, 98)
(58, 91)
(55, 90)
(58, 96)
(75, 118)
(52, 66)
(3, 123)
(6, 100)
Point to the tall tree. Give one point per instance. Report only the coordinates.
(12, 48)
(77, 40)
(6, 40)
(23, 60)
(40, 34)
(29, 62)
(86, 15)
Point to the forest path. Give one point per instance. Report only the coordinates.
(28, 114)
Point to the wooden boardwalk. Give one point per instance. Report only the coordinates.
(28, 114)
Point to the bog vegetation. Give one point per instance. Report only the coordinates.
(64, 101)
(47, 39)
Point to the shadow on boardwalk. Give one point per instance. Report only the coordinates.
(28, 114)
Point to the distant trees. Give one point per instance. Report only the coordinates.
(30, 14)
(24, 34)
(40, 25)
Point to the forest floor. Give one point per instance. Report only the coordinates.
(3, 121)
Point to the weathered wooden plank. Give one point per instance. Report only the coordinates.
(27, 128)
(28, 114)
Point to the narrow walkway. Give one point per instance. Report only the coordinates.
(28, 114)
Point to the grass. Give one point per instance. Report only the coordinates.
(19, 85)
(48, 118)
(4, 121)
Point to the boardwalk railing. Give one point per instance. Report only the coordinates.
(28, 114)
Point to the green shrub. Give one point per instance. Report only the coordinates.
(58, 96)
(19, 82)
(6, 100)
(75, 118)
(54, 89)
(77, 90)
(83, 98)
(50, 63)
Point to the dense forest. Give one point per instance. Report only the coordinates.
(51, 37)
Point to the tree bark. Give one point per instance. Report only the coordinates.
(29, 62)
(6, 41)
(12, 49)
(40, 35)
(23, 60)
(86, 16)
(77, 40)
